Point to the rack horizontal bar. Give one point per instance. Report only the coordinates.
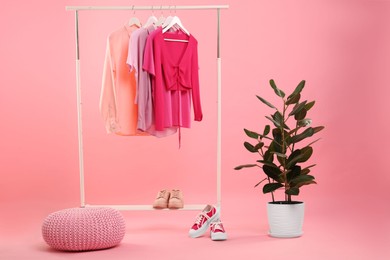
(145, 207)
(150, 7)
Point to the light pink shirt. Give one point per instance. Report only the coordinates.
(144, 98)
(118, 91)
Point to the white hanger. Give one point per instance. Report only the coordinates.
(151, 20)
(134, 20)
(167, 21)
(175, 21)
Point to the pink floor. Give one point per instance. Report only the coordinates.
(163, 235)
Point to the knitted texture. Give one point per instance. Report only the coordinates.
(83, 229)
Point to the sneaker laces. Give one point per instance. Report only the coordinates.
(217, 226)
(199, 219)
(175, 194)
(161, 194)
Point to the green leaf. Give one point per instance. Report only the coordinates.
(278, 92)
(298, 107)
(301, 114)
(272, 172)
(280, 120)
(306, 154)
(267, 129)
(244, 166)
(306, 170)
(270, 187)
(298, 89)
(292, 191)
(317, 129)
(266, 102)
(301, 179)
(294, 172)
(293, 158)
(309, 105)
(268, 156)
(259, 146)
(307, 133)
(251, 134)
(274, 121)
(293, 99)
(305, 183)
(250, 147)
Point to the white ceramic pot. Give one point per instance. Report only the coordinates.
(285, 220)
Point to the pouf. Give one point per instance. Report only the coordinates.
(83, 229)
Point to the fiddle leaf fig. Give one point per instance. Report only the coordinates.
(277, 140)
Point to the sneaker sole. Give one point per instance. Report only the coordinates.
(219, 236)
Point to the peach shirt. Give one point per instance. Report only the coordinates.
(117, 106)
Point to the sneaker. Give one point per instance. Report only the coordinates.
(202, 222)
(217, 231)
(176, 200)
(161, 201)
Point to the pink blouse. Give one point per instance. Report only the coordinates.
(174, 65)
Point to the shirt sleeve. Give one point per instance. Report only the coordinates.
(198, 115)
(107, 104)
(148, 64)
(132, 55)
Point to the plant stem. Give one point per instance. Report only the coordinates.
(284, 149)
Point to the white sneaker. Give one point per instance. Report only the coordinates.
(202, 222)
(217, 231)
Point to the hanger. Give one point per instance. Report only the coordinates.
(168, 19)
(134, 20)
(175, 21)
(151, 20)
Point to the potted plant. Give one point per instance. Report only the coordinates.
(284, 148)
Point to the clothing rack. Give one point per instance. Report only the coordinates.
(76, 9)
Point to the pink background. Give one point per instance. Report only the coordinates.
(341, 48)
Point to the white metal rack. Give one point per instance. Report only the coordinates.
(76, 9)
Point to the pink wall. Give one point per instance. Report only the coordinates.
(341, 48)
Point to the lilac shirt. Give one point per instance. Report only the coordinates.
(143, 97)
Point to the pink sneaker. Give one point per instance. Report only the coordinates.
(202, 222)
(161, 201)
(176, 200)
(217, 231)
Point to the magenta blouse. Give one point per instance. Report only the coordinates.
(175, 68)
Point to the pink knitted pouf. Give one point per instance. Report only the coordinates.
(83, 229)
